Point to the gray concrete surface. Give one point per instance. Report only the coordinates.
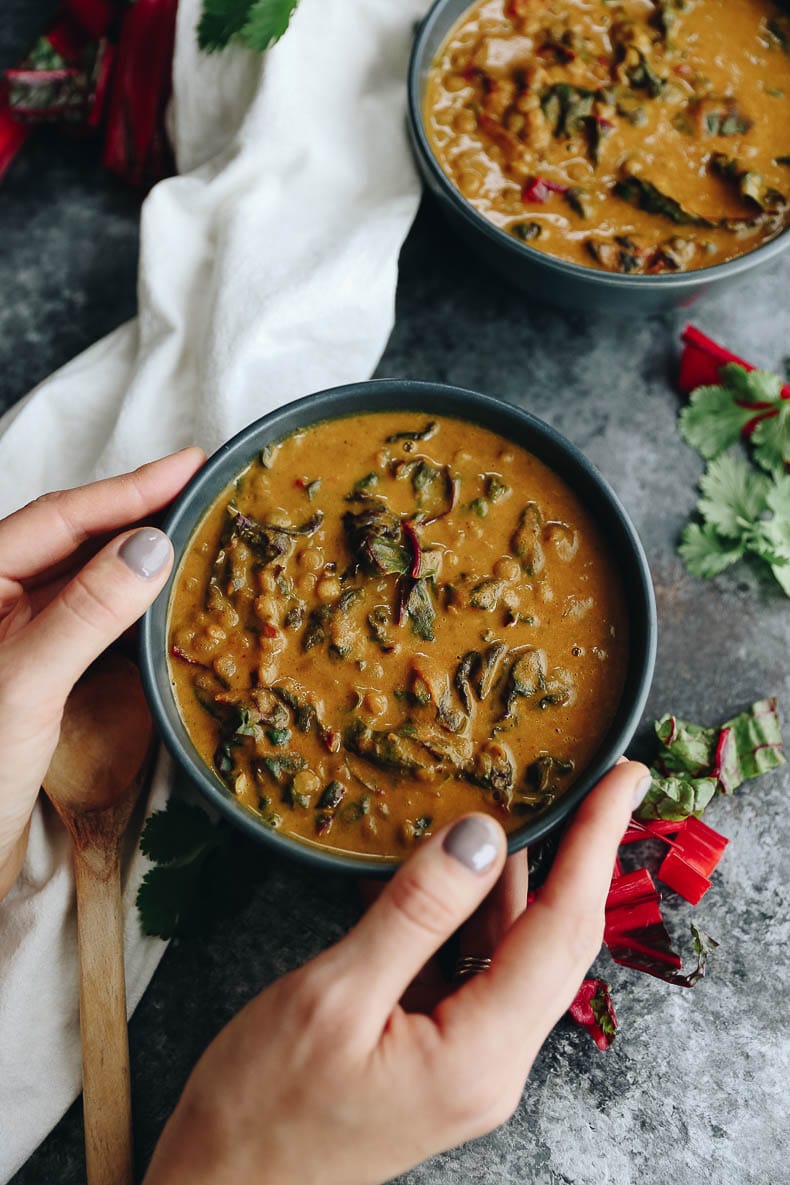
(695, 1089)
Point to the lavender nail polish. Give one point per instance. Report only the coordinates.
(146, 552)
(473, 842)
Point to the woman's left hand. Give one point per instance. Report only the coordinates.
(64, 598)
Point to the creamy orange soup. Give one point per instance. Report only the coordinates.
(390, 620)
(638, 137)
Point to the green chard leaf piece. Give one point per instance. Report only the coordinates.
(757, 739)
(527, 231)
(694, 762)
(424, 433)
(638, 191)
(703, 945)
(685, 748)
(676, 797)
(390, 557)
(421, 611)
(718, 115)
(204, 872)
(749, 184)
(567, 108)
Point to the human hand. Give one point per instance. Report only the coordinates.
(65, 595)
(325, 1078)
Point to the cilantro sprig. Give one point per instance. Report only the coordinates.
(745, 508)
(257, 24)
(204, 872)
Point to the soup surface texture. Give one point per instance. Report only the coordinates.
(392, 619)
(638, 137)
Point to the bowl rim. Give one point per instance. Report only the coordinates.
(418, 67)
(190, 507)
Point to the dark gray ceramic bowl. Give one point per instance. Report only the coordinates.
(434, 398)
(546, 278)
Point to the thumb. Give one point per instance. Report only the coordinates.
(426, 901)
(105, 597)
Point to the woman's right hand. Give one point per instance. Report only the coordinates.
(326, 1078)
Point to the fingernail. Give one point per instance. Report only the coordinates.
(473, 842)
(640, 790)
(146, 552)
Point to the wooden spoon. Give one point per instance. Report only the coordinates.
(93, 781)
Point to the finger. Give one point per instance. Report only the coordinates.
(51, 528)
(544, 957)
(424, 903)
(506, 902)
(95, 608)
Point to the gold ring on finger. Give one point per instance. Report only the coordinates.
(470, 965)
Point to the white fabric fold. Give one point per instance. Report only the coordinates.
(267, 270)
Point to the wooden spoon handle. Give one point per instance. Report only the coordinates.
(105, 1039)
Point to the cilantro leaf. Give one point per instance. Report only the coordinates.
(266, 23)
(771, 440)
(752, 386)
(744, 510)
(164, 898)
(258, 24)
(705, 552)
(176, 833)
(204, 872)
(220, 22)
(772, 535)
(733, 495)
(712, 421)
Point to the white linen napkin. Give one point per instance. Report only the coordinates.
(267, 270)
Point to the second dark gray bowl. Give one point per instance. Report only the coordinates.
(544, 277)
(434, 398)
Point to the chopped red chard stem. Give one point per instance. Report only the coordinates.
(416, 550)
(177, 652)
(592, 1008)
(540, 189)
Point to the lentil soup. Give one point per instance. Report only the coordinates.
(637, 137)
(387, 621)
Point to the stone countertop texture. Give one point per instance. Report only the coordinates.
(695, 1088)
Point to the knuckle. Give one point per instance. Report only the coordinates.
(322, 1002)
(421, 904)
(584, 935)
(59, 502)
(90, 603)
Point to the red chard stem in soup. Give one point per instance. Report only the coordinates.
(346, 676)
